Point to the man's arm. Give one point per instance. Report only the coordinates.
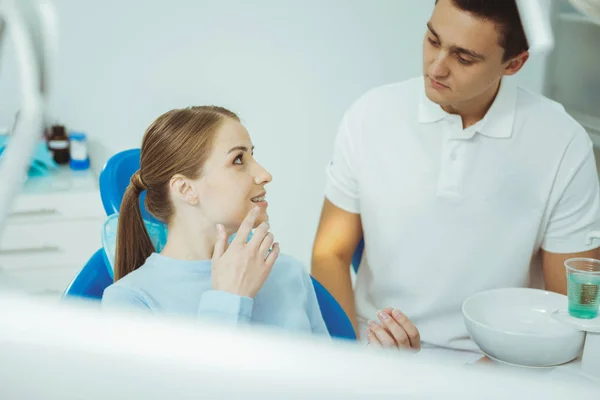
(553, 265)
(576, 212)
(338, 236)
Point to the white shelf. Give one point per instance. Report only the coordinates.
(62, 179)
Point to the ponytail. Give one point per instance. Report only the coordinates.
(133, 242)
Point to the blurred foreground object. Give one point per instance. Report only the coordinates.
(68, 350)
(31, 24)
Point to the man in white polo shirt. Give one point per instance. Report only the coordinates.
(457, 180)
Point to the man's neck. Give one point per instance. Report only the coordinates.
(474, 110)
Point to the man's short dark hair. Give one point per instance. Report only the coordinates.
(508, 21)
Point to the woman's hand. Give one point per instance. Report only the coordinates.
(394, 331)
(242, 268)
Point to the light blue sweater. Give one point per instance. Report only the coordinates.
(176, 287)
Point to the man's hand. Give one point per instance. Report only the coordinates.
(393, 331)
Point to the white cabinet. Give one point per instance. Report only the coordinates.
(53, 229)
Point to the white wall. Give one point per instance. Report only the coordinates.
(288, 68)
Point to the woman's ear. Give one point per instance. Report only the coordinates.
(182, 189)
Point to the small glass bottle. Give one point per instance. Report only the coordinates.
(58, 144)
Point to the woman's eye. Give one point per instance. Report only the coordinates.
(239, 159)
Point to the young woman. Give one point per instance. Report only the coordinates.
(201, 179)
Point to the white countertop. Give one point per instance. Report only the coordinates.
(63, 179)
(570, 371)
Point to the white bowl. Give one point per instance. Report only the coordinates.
(516, 326)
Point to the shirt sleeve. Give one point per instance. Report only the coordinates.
(341, 187)
(312, 308)
(575, 200)
(120, 297)
(222, 306)
(225, 307)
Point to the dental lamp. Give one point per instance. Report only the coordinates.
(536, 21)
(590, 8)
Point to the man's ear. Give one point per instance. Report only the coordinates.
(515, 64)
(182, 189)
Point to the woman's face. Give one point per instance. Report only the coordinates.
(232, 181)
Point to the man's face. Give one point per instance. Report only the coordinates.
(462, 56)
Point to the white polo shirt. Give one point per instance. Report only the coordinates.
(448, 212)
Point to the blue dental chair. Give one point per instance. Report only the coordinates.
(115, 178)
(357, 257)
(96, 275)
(91, 281)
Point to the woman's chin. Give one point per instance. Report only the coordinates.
(262, 217)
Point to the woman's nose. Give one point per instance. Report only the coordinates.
(262, 176)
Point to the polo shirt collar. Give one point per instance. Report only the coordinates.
(497, 123)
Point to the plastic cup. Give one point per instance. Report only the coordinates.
(583, 287)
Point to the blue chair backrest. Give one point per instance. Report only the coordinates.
(357, 257)
(91, 281)
(115, 178)
(337, 322)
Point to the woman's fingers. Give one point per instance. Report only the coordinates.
(221, 245)
(266, 244)
(272, 257)
(259, 236)
(246, 226)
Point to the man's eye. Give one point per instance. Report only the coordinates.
(433, 42)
